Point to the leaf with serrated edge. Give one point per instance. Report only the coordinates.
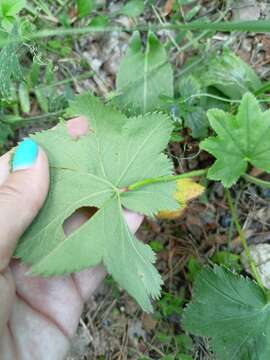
(95, 170)
(9, 63)
(144, 76)
(233, 312)
(240, 140)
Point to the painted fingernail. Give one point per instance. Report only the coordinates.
(25, 155)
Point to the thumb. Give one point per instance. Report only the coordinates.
(21, 195)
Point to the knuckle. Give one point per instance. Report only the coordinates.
(31, 199)
(9, 190)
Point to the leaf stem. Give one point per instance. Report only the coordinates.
(241, 234)
(257, 181)
(164, 179)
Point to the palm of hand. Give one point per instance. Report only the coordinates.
(43, 313)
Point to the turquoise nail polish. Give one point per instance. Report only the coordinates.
(25, 155)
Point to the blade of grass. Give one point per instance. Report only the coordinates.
(253, 26)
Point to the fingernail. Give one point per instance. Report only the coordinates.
(25, 155)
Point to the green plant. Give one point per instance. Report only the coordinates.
(147, 192)
(235, 315)
(85, 7)
(240, 140)
(170, 304)
(9, 63)
(104, 175)
(8, 11)
(143, 76)
(144, 83)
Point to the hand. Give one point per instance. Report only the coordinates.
(38, 316)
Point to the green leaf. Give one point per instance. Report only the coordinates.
(228, 260)
(192, 13)
(170, 304)
(9, 64)
(144, 76)
(5, 132)
(156, 245)
(95, 170)
(193, 267)
(24, 97)
(85, 7)
(42, 99)
(194, 115)
(241, 139)
(184, 342)
(229, 74)
(132, 8)
(10, 8)
(196, 120)
(235, 315)
(189, 86)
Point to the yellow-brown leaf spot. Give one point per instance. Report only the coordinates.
(186, 190)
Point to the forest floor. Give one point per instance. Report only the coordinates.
(113, 326)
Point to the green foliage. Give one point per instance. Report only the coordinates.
(24, 97)
(184, 342)
(227, 259)
(85, 7)
(5, 132)
(241, 139)
(222, 75)
(233, 312)
(9, 63)
(132, 8)
(91, 172)
(156, 245)
(143, 76)
(8, 11)
(96, 169)
(193, 267)
(170, 304)
(192, 109)
(229, 74)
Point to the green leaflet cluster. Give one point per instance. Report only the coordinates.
(91, 171)
(241, 139)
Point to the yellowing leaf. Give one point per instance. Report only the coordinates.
(186, 190)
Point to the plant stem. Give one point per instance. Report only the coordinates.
(241, 234)
(164, 179)
(256, 181)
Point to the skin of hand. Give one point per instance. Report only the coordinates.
(39, 316)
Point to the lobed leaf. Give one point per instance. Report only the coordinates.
(233, 312)
(95, 170)
(240, 140)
